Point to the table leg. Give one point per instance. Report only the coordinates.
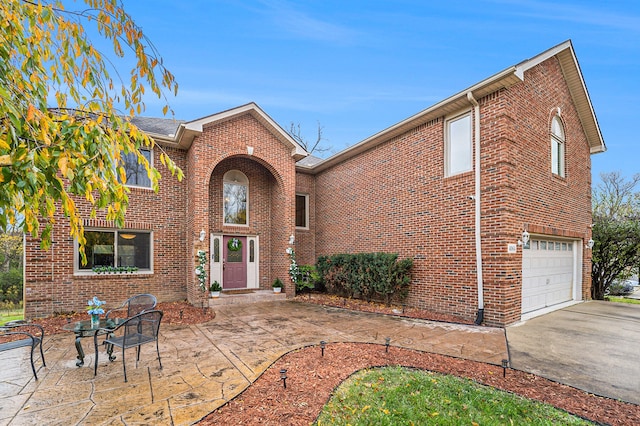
(80, 361)
(110, 349)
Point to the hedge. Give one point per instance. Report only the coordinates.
(368, 276)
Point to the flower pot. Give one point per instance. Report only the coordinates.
(215, 294)
(277, 289)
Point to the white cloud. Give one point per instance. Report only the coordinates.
(301, 24)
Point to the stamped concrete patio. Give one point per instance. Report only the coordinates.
(207, 364)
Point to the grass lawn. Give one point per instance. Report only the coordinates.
(10, 315)
(623, 300)
(401, 396)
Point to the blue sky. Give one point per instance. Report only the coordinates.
(357, 67)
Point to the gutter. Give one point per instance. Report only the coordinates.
(476, 128)
(452, 104)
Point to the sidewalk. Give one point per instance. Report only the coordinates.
(205, 365)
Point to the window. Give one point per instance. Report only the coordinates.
(116, 249)
(302, 210)
(557, 147)
(216, 250)
(458, 145)
(136, 173)
(235, 194)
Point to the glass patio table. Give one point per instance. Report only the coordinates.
(84, 329)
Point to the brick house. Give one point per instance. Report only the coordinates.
(496, 243)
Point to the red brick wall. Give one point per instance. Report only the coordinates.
(262, 188)
(50, 285)
(271, 173)
(176, 215)
(538, 200)
(394, 198)
(305, 238)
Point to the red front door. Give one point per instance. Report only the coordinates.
(234, 263)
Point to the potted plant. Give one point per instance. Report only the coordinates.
(215, 289)
(277, 285)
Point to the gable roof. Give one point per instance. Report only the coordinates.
(504, 79)
(577, 87)
(182, 133)
(163, 127)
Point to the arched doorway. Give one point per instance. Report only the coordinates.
(246, 215)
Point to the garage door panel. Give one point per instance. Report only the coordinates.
(534, 302)
(547, 274)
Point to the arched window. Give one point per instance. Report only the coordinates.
(557, 147)
(235, 198)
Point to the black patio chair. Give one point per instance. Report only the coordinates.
(132, 333)
(135, 305)
(23, 334)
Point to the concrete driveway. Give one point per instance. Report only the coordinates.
(593, 346)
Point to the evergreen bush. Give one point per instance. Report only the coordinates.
(368, 276)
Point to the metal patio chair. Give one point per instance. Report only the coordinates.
(135, 305)
(132, 333)
(23, 334)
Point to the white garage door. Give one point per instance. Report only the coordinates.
(547, 273)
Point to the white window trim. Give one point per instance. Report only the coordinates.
(150, 187)
(76, 254)
(447, 143)
(306, 210)
(558, 148)
(225, 180)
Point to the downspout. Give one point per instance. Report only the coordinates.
(476, 137)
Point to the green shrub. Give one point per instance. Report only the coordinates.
(620, 288)
(308, 278)
(11, 285)
(378, 276)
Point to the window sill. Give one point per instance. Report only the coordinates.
(140, 188)
(91, 274)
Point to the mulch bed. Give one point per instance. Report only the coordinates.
(311, 379)
(174, 313)
(378, 308)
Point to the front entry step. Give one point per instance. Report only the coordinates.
(236, 297)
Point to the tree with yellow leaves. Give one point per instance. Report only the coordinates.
(65, 124)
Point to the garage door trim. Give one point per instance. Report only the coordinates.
(551, 274)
